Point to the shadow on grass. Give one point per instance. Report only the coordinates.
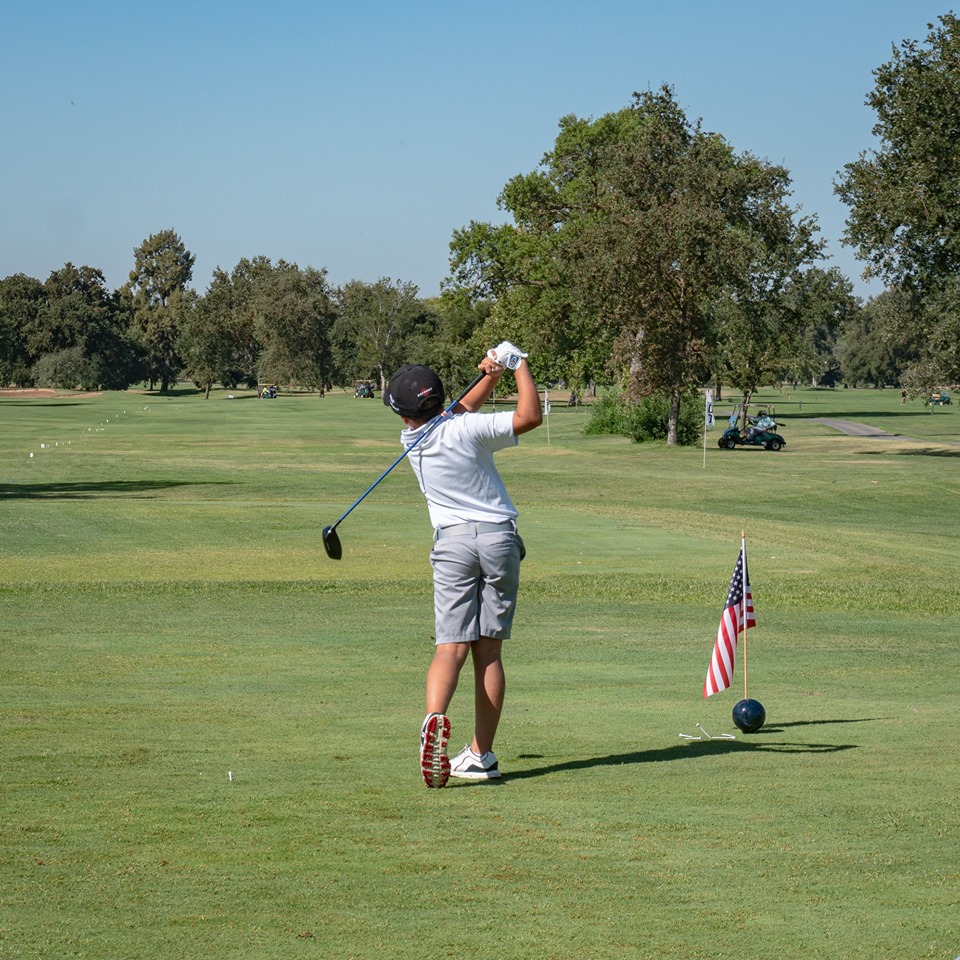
(102, 489)
(777, 727)
(47, 403)
(916, 452)
(690, 750)
(926, 452)
(172, 393)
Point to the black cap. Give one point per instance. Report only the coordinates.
(414, 391)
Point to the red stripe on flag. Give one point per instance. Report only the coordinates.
(720, 671)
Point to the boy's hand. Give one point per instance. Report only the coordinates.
(490, 367)
(507, 355)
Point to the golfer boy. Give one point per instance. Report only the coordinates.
(476, 551)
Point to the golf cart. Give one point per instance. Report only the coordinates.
(759, 431)
(940, 399)
(364, 389)
(267, 391)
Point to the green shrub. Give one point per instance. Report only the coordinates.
(646, 419)
(67, 369)
(651, 417)
(609, 414)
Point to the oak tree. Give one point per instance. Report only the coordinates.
(162, 269)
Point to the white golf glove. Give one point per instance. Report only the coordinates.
(506, 354)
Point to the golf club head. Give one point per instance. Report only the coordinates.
(749, 715)
(331, 543)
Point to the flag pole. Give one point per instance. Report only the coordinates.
(743, 548)
(708, 421)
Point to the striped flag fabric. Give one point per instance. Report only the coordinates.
(737, 616)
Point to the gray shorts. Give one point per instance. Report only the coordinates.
(475, 580)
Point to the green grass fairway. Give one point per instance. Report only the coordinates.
(209, 729)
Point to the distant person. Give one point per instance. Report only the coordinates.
(903, 397)
(762, 423)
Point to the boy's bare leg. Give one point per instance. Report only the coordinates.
(443, 674)
(489, 688)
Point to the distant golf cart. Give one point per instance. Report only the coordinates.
(364, 389)
(939, 399)
(267, 391)
(746, 431)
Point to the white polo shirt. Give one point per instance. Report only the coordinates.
(455, 469)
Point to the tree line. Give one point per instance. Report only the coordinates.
(261, 321)
(643, 251)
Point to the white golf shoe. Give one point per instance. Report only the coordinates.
(467, 765)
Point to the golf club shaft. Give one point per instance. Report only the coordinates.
(426, 433)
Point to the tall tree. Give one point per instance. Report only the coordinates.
(235, 299)
(881, 342)
(295, 314)
(80, 335)
(633, 228)
(823, 303)
(21, 300)
(202, 342)
(904, 218)
(216, 337)
(788, 334)
(374, 324)
(262, 320)
(162, 269)
(938, 363)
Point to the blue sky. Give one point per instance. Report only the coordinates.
(357, 136)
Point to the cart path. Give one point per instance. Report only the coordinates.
(854, 429)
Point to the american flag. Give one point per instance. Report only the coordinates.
(737, 616)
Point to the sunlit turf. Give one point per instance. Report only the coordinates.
(209, 728)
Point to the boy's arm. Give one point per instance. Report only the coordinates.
(529, 413)
(481, 393)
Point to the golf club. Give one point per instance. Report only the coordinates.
(331, 539)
